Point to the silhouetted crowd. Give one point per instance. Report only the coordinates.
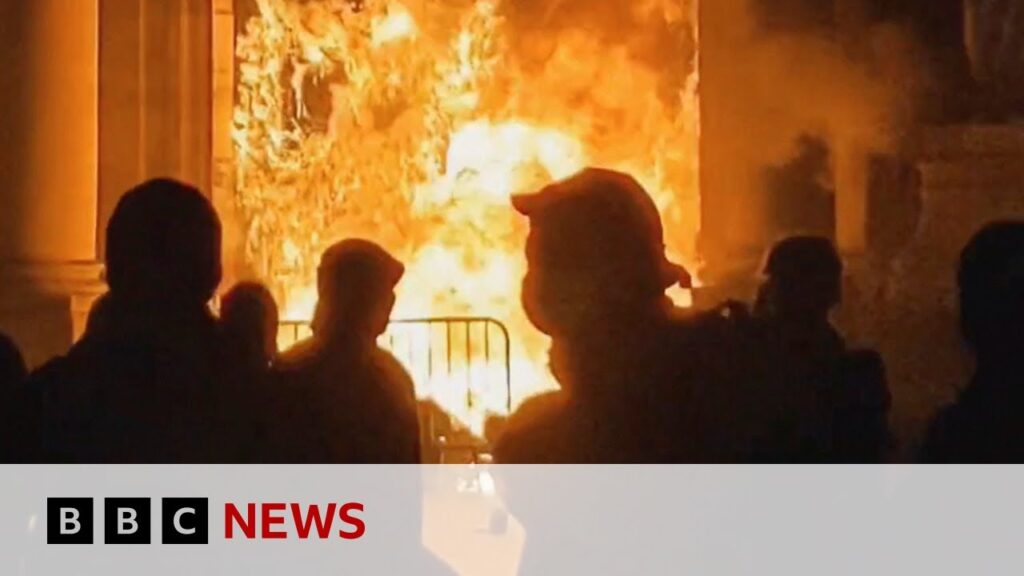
(157, 377)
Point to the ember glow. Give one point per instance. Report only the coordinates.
(412, 123)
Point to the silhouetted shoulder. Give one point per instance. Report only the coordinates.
(63, 378)
(48, 374)
(983, 426)
(300, 356)
(396, 377)
(527, 435)
(955, 436)
(64, 399)
(864, 380)
(537, 409)
(12, 365)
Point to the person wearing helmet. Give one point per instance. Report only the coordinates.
(803, 283)
(356, 399)
(595, 283)
(822, 402)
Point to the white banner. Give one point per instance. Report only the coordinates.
(313, 520)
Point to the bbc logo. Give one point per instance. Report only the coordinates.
(127, 521)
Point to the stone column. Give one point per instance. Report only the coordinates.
(48, 170)
(97, 96)
(223, 189)
(155, 78)
(733, 208)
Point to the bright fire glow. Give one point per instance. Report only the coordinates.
(412, 124)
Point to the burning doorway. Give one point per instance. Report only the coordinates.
(411, 122)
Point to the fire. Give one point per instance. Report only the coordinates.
(412, 124)
(397, 24)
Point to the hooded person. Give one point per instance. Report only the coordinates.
(140, 384)
(357, 400)
(349, 400)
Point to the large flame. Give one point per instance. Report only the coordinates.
(412, 124)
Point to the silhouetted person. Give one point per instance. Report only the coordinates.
(249, 324)
(349, 401)
(15, 411)
(249, 320)
(595, 283)
(635, 380)
(356, 402)
(12, 365)
(140, 384)
(823, 402)
(985, 423)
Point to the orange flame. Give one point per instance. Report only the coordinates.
(412, 125)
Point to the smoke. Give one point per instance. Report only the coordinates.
(803, 71)
(776, 75)
(784, 69)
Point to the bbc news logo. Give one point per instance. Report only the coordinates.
(127, 521)
(186, 521)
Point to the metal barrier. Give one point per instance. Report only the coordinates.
(463, 348)
(459, 361)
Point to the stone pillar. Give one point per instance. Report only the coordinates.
(156, 82)
(223, 188)
(733, 226)
(97, 97)
(48, 170)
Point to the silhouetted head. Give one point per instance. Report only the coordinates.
(163, 246)
(595, 251)
(803, 280)
(991, 280)
(356, 284)
(12, 366)
(249, 318)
